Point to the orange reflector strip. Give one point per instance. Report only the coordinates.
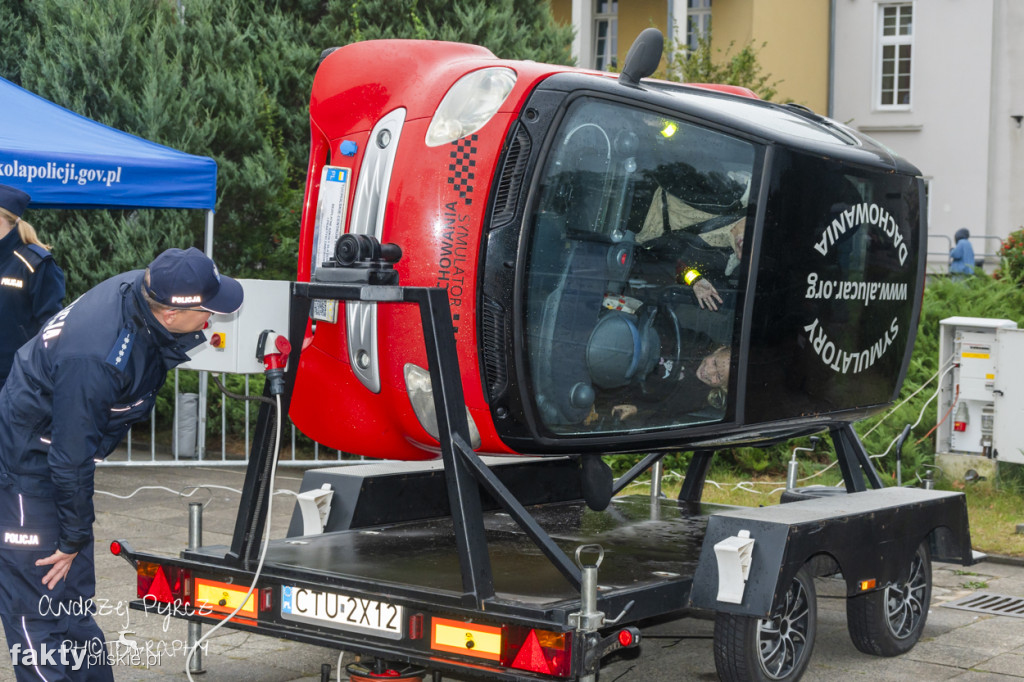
(468, 639)
(224, 598)
(867, 585)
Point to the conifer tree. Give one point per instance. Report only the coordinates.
(228, 79)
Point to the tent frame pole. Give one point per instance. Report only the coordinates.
(204, 378)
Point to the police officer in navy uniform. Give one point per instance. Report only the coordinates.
(31, 283)
(73, 390)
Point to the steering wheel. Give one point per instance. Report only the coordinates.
(661, 381)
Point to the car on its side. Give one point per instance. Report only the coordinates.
(631, 264)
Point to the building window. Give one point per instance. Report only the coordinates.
(698, 21)
(606, 34)
(895, 48)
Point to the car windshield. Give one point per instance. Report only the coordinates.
(635, 268)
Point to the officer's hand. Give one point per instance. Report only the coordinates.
(706, 294)
(60, 564)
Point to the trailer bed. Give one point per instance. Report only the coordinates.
(648, 547)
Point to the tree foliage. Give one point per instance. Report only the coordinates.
(706, 64)
(229, 79)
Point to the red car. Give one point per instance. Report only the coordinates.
(631, 264)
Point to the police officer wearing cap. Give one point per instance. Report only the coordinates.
(31, 283)
(72, 393)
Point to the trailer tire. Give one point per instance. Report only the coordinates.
(889, 622)
(769, 649)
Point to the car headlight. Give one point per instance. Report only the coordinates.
(470, 104)
(421, 396)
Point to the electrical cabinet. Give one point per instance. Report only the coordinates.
(231, 340)
(981, 393)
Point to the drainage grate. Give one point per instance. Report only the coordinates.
(986, 602)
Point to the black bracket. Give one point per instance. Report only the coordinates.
(465, 473)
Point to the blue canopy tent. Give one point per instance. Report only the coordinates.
(64, 160)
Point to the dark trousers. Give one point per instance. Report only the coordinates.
(51, 634)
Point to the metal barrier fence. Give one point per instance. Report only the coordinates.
(989, 260)
(170, 454)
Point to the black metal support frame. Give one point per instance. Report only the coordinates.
(465, 473)
(853, 459)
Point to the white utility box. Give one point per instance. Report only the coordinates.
(981, 399)
(231, 340)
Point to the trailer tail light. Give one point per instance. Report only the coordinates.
(539, 651)
(511, 646)
(163, 584)
(416, 626)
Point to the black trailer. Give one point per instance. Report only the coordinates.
(524, 569)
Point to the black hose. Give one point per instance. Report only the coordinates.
(239, 396)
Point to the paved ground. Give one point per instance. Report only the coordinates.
(957, 644)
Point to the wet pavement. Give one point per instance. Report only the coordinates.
(957, 644)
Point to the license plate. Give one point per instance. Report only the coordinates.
(341, 611)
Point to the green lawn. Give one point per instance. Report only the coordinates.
(994, 509)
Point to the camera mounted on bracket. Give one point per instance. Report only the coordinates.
(361, 259)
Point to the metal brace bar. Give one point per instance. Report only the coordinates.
(696, 476)
(643, 465)
(853, 460)
(519, 514)
(449, 403)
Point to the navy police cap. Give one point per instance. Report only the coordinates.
(188, 279)
(13, 200)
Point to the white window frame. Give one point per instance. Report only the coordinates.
(682, 17)
(894, 41)
(698, 18)
(610, 43)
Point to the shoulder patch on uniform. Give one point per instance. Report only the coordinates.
(32, 254)
(118, 356)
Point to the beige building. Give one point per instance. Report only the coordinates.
(794, 35)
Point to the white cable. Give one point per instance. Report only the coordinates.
(742, 485)
(179, 493)
(263, 551)
(920, 416)
(905, 400)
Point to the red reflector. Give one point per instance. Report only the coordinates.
(531, 656)
(625, 637)
(115, 548)
(542, 651)
(160, 589)
(960, 426)
(163, 585)
(416, 626)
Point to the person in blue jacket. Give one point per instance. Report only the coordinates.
(31, 283)
(962, 255)
(73, 391)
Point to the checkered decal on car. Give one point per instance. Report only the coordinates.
(462, 168)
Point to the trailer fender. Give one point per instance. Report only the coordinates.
(871, 536)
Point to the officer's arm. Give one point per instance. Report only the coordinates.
(84, 391)
(47, 290)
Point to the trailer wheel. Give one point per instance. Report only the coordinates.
(777, 648)
(889, 622)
